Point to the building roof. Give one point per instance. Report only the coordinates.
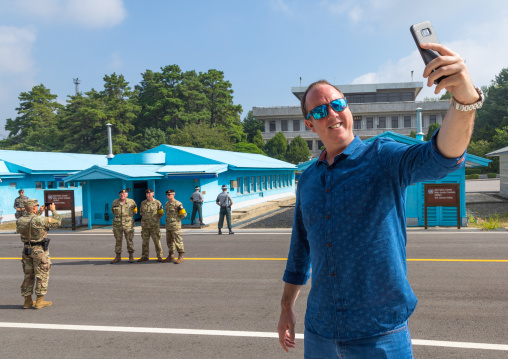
(415, 87)
(49, 162)
(471, 160)
(125, 172)
(497, 153)
(235, 160)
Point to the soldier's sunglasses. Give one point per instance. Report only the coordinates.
(320, 112)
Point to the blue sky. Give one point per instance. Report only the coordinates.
(263, 47)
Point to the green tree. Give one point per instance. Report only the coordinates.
(494, 113)
(432, 128)
(258, 140)
(35, 128)
(276, 147)
(121, 111)
(82, 124)
(152, 137)
(412, 134)
(247, 148)
(447, 96)
(298, 151)
(201, 137)
(251, 126)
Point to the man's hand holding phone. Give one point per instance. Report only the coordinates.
(451, 66)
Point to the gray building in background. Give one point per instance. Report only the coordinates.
(376, 108)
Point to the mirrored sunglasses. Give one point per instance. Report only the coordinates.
(320, 112)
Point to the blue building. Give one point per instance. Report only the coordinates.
(437, 216)
(251, 179)
(36, 172)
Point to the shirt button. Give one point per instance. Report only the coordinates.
(328, 190)
(329, 167)
(328, 217)
(333, 274)
(329, 244)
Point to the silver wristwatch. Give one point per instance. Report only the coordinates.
(474, 106)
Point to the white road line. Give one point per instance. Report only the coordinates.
(228, 333)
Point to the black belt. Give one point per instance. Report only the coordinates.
(34, 243)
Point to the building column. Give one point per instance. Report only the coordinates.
(89, 202)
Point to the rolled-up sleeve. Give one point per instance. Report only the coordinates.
(298, 264)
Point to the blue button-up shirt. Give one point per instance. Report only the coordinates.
(350, 227)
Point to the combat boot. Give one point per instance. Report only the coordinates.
(41, 303)
(131, 257)
(180, 258)
(170, 258)
(231, 232)
(220, 232)
(117, 259)
(29, 303)
(159, 259)
(142, 259)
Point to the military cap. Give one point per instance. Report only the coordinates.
(170, 191)
(30, 203)
(197, 187)
(123, 191)
(149, 190)
(224, 186)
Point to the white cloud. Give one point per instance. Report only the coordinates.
(116, 62)
(281, 5)
(17, 68)
(85, 13)
(483, 54)
(340, 7)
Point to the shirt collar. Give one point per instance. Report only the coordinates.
(348, 151)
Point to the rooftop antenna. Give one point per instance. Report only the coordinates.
(300, 81)
(76, 82)
(412, 75)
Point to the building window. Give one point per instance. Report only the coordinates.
(39, 185)
(73, 184)
(407, 96)
(272, 126)
(274, 184)
(382, 122)
(382, 97)
(253, 184)
(368, 98)
(240, 184)
(370, 123)
(296, 125)
(263, 183)
(284, 125)
(51, 184)
(278, 181)
(357, 124)
(245, 185)
(259, 184)
(394, 97)
(12, 184)
(320, 145)
(61, 184)
(432, 119)
(395, 122)
(309, 143)
(407, 121)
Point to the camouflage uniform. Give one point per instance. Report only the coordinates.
(19, 202)
(33, 229)
(174, 226)
(123, 223)
(150, 226)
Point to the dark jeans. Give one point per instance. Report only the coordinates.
(225, 211)
(199, 208)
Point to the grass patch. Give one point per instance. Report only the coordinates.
(490, 223)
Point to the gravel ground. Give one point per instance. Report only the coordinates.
(284, 217)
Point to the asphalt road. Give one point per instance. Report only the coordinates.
(232, 284)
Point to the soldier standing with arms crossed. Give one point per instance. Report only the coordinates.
(225, 202)
(197, 206)
(33, 229)
(18, 204)
(151, 212)
(123, 209)
(174, 214)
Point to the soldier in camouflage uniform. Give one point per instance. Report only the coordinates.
(35, 256)
(151, 212)
(174, 214)
(19, 204)
(123, 209)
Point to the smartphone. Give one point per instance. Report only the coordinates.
(424, 32)
(47, 204)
